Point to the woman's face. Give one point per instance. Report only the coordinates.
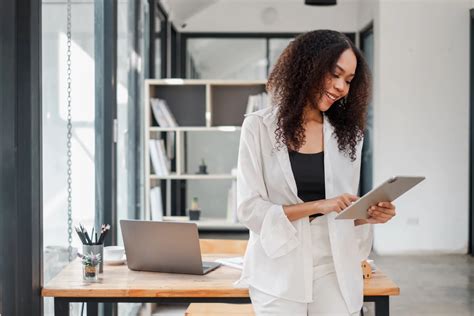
(338, 81)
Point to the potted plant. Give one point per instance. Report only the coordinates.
(90, 266)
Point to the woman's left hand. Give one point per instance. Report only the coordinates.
(381, 213)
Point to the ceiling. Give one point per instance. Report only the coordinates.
(190, 15)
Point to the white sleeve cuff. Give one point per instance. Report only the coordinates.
(277, 235)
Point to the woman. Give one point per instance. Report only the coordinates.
(299, 165)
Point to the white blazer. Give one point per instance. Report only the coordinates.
(278, 259)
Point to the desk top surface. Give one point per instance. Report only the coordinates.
(119, 281)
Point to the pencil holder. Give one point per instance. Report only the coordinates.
(96, 250)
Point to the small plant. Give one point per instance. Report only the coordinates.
(90, 266)
(91, 260)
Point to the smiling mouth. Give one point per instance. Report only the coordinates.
(331, 96)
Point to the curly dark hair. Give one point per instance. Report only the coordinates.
(298, 79)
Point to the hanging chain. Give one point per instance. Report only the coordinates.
(69, 135)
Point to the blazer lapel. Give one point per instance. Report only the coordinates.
(328, 140)
(330, 148)
(282, 152)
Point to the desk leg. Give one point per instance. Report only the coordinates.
(382, 306)
(61, 307)
(92, 308)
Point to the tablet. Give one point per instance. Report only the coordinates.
(387, 191)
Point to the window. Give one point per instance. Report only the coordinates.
(131, 68)
(221, 58)
(277, 45)
(54, 93)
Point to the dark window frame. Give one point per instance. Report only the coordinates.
(365, 185)
(21, 212)
(158, 12)
(471, 137)
(105, 59)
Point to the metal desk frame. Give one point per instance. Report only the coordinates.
(61, 304)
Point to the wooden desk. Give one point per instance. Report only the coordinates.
(378, 289)
(119, 284)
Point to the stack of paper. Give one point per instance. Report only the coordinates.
(234, 262)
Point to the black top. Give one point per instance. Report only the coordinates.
(308, 170)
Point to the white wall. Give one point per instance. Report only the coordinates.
(366, 12)
(421, 108)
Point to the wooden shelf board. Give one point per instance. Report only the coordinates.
(208, 223)
(194, 177)
(196, 129)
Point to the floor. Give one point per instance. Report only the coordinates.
(429, 285)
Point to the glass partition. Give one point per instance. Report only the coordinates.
(54, 100)
(130, 81)
(276, 47)
(222, 58)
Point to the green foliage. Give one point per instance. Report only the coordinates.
(91, 259)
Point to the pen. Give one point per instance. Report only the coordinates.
(89, 241)
(81, 237)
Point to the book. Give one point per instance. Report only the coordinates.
(155, 161)
(162, 113)
(156, 204)
(158, 113)
(164, 160)
(165, 118)
(160, 162)
(257, 102)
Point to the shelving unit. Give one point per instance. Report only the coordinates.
(199, 107)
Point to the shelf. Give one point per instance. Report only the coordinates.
(194, 177)
(209, 223)
(209, 116)
(177, 81)
(196, 129)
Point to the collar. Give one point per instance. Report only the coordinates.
(269, 118)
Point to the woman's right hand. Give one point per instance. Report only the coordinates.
(336, 204)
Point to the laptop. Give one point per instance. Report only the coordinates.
(168, 247)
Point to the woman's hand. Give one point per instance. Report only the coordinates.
(381, 213)
(336, 204)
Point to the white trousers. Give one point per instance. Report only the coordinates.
(327, 301)
(327, 297)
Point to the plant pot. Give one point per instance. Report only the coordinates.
(89, 273)
(96, 250)
(194, 215)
